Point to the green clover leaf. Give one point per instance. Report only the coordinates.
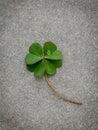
(36, 49)
(45, 61)
(49, 47)
(32, 59)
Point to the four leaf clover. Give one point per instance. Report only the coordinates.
(43, 60)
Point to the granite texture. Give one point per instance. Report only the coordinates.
(27, 103)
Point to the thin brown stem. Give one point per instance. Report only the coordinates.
(58, 94)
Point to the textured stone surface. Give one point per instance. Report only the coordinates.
(27, 103)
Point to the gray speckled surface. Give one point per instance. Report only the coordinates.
(27, 103)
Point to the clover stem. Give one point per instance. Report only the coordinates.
(58, 94)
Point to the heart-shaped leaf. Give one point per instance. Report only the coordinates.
(56, 55)
(50, 68)
(36, 49)
(49, 46)
(31, 59)
(40, 69)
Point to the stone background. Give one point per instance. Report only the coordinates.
(27, 103)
